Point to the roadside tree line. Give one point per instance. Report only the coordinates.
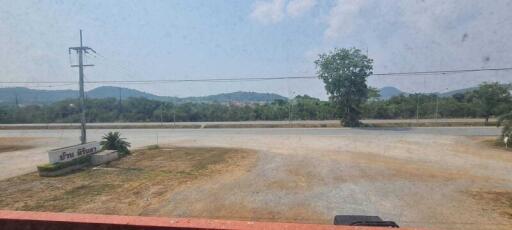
(488, 100)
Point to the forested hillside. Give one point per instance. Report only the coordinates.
(26, 96)
(473, 103)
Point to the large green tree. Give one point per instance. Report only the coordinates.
(344, 72)
(491, 99)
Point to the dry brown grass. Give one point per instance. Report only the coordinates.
(134, 185)
(497, 201)
(495, 143)
(10, 144)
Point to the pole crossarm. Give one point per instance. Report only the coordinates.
(84, 48)
(87, 65)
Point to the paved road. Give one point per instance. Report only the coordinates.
(255, 124)
(94, 133)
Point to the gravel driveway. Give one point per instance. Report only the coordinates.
(418, 179)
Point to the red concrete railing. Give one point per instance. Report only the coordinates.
(49, 221)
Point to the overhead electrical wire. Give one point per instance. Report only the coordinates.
(237, 79)
(243, 79)
(442, 72)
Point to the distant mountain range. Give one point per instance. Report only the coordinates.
(389, 92)
(451, 93)
(28, 96)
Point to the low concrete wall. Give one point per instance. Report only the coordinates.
(72, 152)
(104, 157)
(95, 159)
(50, 221)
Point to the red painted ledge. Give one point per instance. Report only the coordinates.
(50, 220)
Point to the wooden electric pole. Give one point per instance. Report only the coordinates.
(80, 50)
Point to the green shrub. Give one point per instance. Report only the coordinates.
(114, 141)
(505, 120)
(60, 165)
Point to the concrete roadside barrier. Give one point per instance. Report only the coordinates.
(104, 157)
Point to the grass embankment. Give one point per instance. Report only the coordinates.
(137, 184)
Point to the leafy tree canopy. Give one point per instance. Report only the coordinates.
(344, 72)
(491, 99)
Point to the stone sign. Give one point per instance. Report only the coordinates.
(72, 152)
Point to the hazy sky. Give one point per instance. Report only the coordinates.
(208, 39)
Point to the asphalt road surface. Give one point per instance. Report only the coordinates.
(257, 124)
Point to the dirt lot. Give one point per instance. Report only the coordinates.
(11, 144)
(135, 185)
(426, 177)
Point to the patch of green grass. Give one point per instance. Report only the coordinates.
(60, 165)
(153, 147)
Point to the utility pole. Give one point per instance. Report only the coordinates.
(437, 105)
(289, 111)
(16, 102)
(290, 107)
(16, 107)
(80, 50)
(162, 114)
(120, 110)
(417, 107)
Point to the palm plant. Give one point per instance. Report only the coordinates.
(505, 120)
(114, 141)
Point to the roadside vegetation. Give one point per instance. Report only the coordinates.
(469, 104)
(344, 72)
(114, 141)
(505, 121)
(50, 167)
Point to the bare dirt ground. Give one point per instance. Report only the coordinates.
(428, 180)
(134, 185)
(418, 181)
(11, 144)
(19, 154)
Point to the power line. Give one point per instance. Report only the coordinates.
(442, 72)
(238, 79)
